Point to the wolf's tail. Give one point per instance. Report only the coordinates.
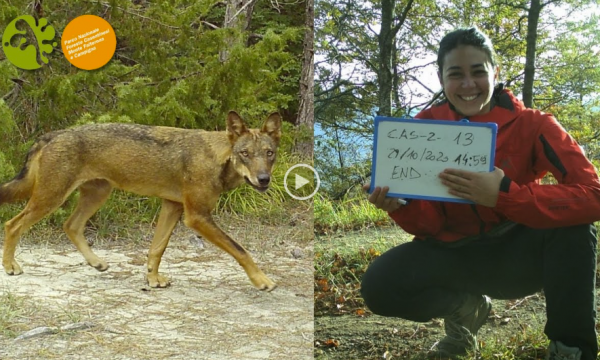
(21, 187)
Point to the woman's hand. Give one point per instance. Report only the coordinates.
(481, 188)
(380, 200)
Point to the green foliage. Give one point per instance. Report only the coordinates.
(349, 214)
(10, 72)
(6, 167)
(6, 117)
(103, 119)
(166, 70)
(344, 162)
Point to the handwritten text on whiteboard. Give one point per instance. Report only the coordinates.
(409, 154)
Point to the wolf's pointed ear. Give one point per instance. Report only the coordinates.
(235, 126)
(272, 127)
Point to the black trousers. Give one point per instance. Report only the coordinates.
(425, 279)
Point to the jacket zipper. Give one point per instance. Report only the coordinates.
(481, 222)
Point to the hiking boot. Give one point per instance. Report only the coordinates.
(560, 351)
(462, 327)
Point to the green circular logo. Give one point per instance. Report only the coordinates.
(16, 44)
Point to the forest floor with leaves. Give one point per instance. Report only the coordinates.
(211, 311)
(346, 330)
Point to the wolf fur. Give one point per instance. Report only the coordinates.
(187, 169)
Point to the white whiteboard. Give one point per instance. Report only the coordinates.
(408, 154)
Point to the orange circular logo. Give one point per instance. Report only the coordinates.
(88, 42)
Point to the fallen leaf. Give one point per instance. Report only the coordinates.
(331, 343)
(374, 253)
(323, 285)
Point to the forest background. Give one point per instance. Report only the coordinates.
(378, 58)
(177, 63)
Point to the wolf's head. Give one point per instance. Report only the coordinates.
(254, 150)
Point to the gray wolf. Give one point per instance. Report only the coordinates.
(187, 169)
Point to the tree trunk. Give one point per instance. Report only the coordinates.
(384, 76)
(306, 114)
(386, 40)
(238, 15)
(395, 80)
(532, 25)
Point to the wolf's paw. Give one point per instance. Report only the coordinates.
(158, 281)
(262, 282)
(99, 265)
(12, 268)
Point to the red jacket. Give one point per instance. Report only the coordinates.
(529, 144)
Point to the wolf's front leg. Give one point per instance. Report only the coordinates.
(170, 213)
(205, 226)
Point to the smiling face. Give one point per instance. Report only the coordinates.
(468, 77)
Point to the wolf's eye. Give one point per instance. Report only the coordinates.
(245, 153)
(270, 153)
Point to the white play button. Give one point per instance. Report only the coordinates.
(303, 175)
(300, 181)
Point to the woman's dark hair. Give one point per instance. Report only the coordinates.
(467, 36)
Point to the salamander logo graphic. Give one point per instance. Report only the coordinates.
(16, 44)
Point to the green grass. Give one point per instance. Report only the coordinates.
(340, 261)
(12, 309)
(342, 254)
(531, 343)
(350, 214)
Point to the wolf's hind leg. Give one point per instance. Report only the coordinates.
(41, 204)
(92, 195)
(170, 213)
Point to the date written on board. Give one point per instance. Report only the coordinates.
(464, 139)
(412, 154)
(465, 159)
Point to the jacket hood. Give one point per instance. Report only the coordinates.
(505, 108)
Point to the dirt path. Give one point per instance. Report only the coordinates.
(211, 311)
